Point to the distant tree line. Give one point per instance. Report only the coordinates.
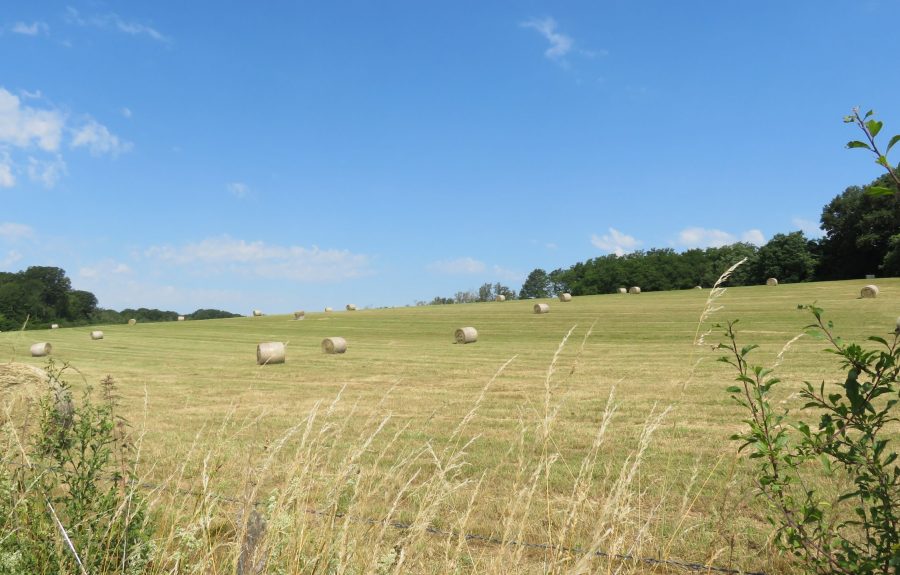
(487, 292)
(43, 295)
(862, 236)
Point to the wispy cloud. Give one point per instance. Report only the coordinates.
(809, 228)
(239, 190)
(615, 242)
(560, 44)
(11, 257)
(225, 254)
(99, 140)
(24, 126)
(12, 231)
(458, 266)
(126, 112)
(104, 269)
(7, 179)
(46, 172)
(712, 238)
(32, 29)
(115, 22)
(505, 274)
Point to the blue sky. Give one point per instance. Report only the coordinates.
(286, 155)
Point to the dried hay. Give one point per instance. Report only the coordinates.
(181, 318)
(772, 282)
(698, 287)
(299, 314)
(869, 291)
(466, 335)
(14, 375)
(541, 308)
(634, 289)
(54, 326)
(565, 297)
(334, 345)
(327, 309)
(270, 352)
(41, 349)
(97, 334)
(351, 307)
(621, 290)
(500, 297)
(132, 321)
(257, 313)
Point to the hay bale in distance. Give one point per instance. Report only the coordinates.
(351, 307)
(334, 345)
(565, 297)
(54, 326)
(270, 352)
(869, 291)
(634, 289)
(772, 282)
(97, 334)
(698, 287)
(541, 308)
(621, 290)
(870, 276)
(41, 349)
(181, 318)
(257, 313)
(500, 297)
(466, 335)
(132, 321)
(327, 309)
(299, 314)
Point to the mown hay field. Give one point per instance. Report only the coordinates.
(205, 408)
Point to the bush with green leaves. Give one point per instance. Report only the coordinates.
(852, 528)
(68, 493)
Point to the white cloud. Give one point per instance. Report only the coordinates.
(23, 126)
(508, 275)
(809, 228)
(13, 231)
(104, 269)
(46, 172)
(7, 179)
(10, 258)
(126, 112)
(32, 29)
(615, 242)
(113, 21)
(224, 254)
(754, 237)
(99, 140)
(458, 266)
(238, 189)
(560, 44)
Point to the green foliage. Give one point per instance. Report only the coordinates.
(854, 529)
(870, 129)
(536, 285)
(68, 494)
(786, 257)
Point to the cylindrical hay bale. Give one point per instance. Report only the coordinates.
(132, 321)
(40, 349)
(870, 290)
(565, 297)
(634, 289)
(270, 352)
(622, 290)
(96, 334)
(54, 326)
(541, 308)
(299, 314)
(327, 309)
(334, 345)
(257, 313)
(466, 335)
(501, 297)
(698, 287)
(772, 282)
(181, 318)
(351, 307)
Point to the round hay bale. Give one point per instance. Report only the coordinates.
(15, 374)
(634, 289)
(327, 309)
(565, 297)
(97, 334)
(772, 282)
(299, 314)
(270, 352)
(541, 308)
(334, 345)
(500, 297)
(41, 349)
(466, 335)
(698, 287)
(257, 313)
(621, 290)
(132, 321)
(868, 291)
(54, 326)
(181, 318)
(351, 307)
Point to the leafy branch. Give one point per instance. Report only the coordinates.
(871, 127)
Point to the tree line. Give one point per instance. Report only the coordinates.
(41, 295)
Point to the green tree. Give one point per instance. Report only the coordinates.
(485, 292)
(500, 289)
(536, 285)
(786, 257)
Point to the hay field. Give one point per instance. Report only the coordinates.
(195, 388)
